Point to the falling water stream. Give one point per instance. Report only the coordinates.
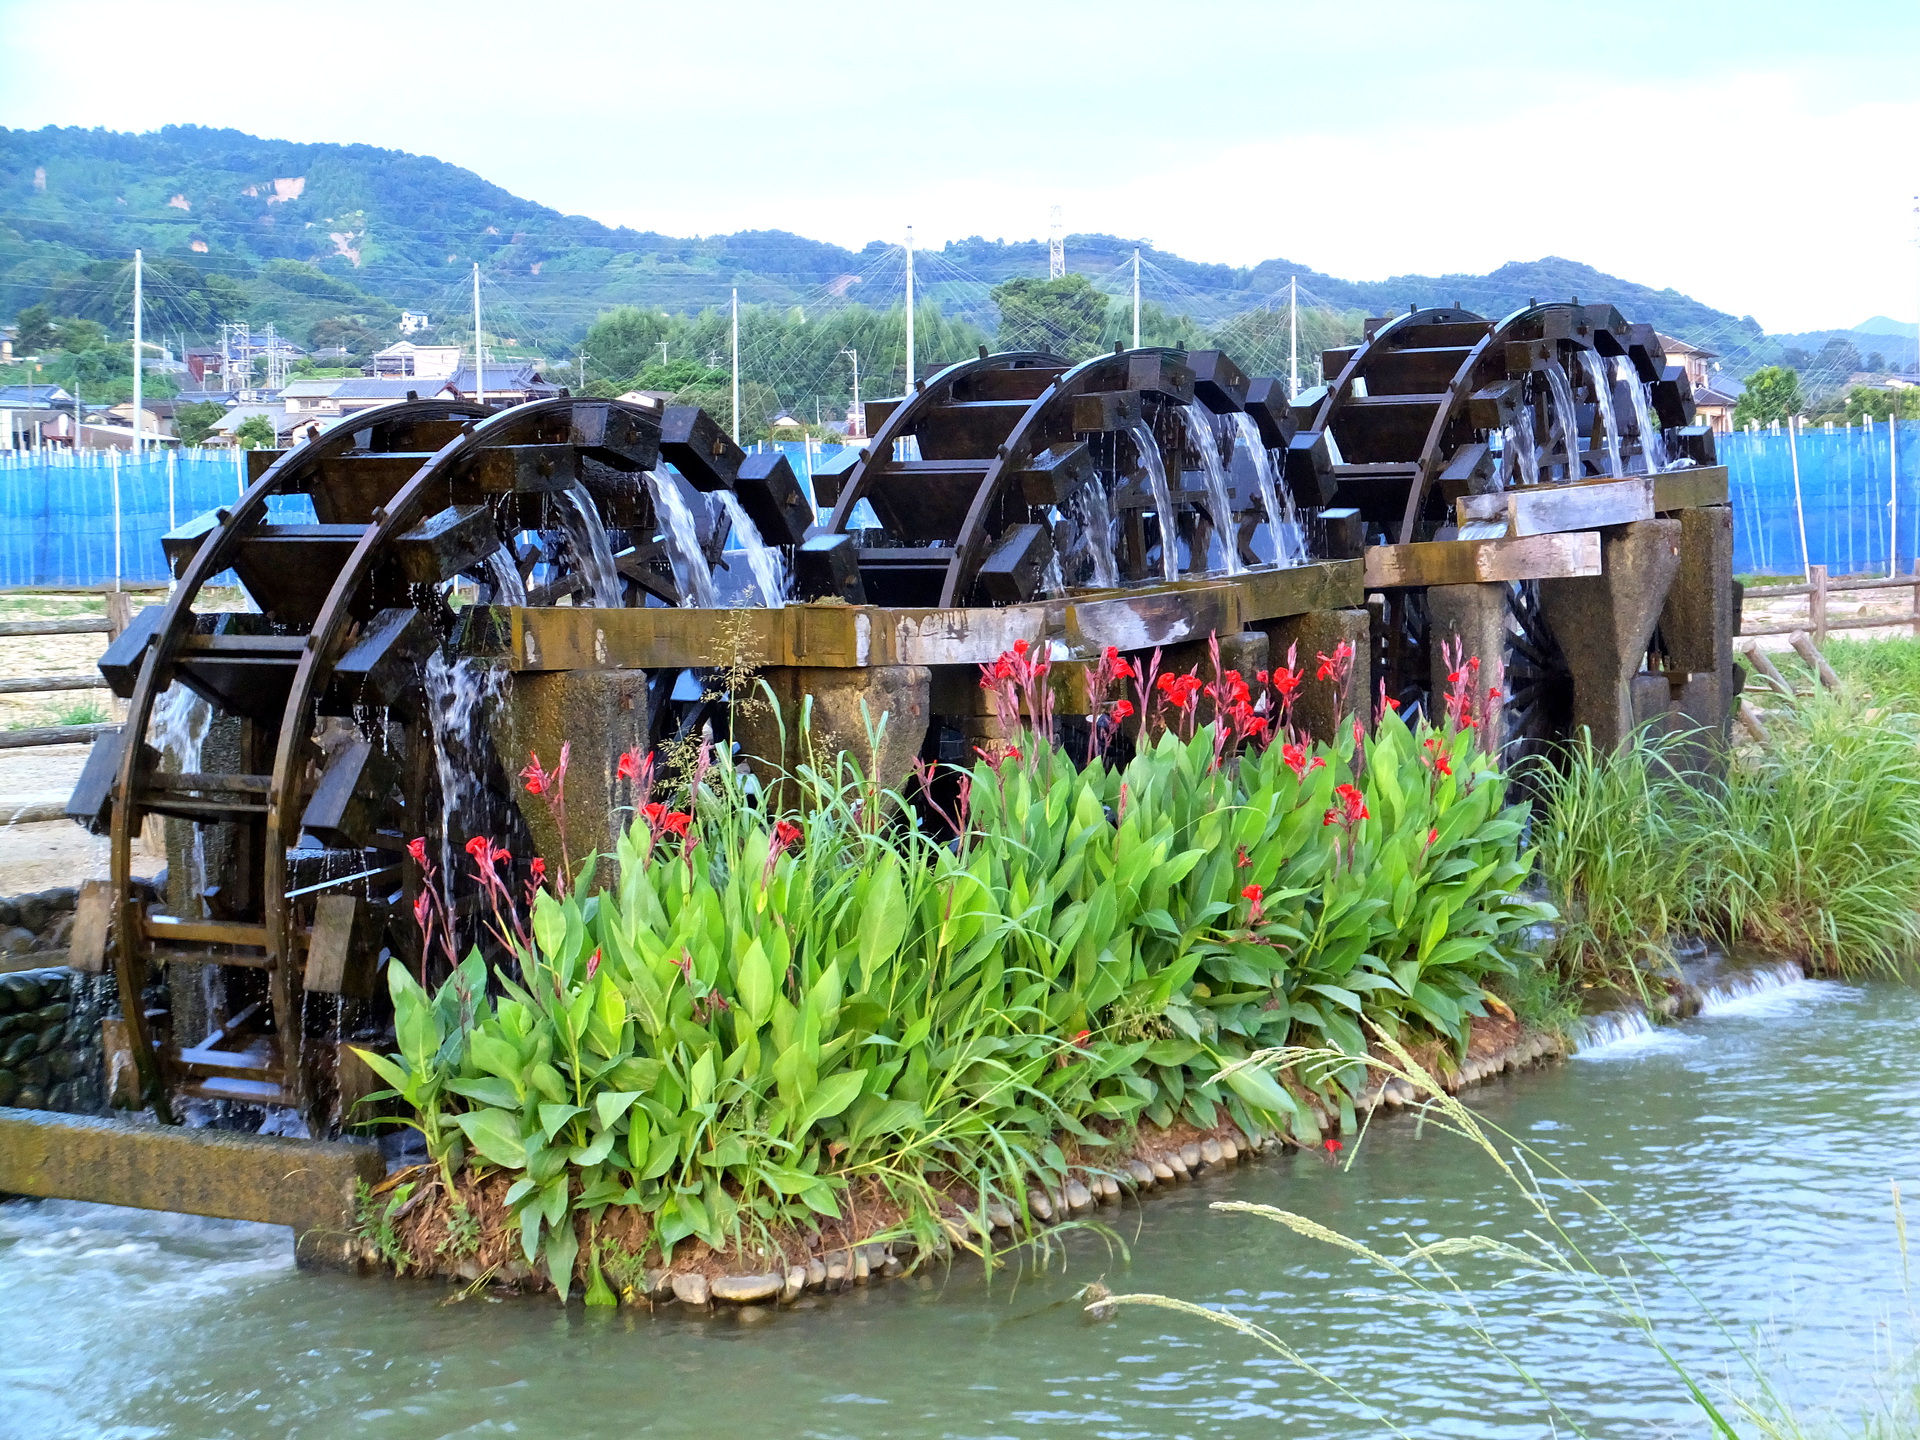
(682, 540)
(1096, 525)
(1653, 445)
(769, 572)
(1219, 498)
(591, 551)
(1602, 382)
(1751, 1147)
(508, 587)
(1565, 416)
(1283, 521)
(460, 695)
(1149, 449)
(1526, 455)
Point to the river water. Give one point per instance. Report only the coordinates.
(1754, 1148)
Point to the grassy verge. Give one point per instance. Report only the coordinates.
(1809, 847)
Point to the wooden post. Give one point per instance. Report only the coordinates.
(120, 612)
(1817, 602)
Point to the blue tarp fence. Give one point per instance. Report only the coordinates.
(1857, 516)
(57, 508)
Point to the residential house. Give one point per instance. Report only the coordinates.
(283, 424)
(1715, 393)
(202, 363)
(419, 362)
(311, 397)
(28, 414)
(352, 396)
(412, 322)
(651, 399)
(508, 383)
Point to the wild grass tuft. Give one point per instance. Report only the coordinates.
(1809, 846)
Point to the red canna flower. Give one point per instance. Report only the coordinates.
(785, 833)
(417, 848)
(1013, 752)
(1253, 895)
(1294, 757)
(539, 868)
(1332, 1147)
(629, 768)
(1122, 709)
(535, 775)
(479, 847)
(675, 822)
(1081, 1039)
(1241, 860)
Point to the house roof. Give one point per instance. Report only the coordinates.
(505, 376)
(1674, 345)
(22, 397)
(240, 414)
(380, 387)
(311, 389)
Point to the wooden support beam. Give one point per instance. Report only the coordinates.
(1556, 509)
(1469, 562)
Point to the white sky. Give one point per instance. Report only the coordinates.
(1760, 156)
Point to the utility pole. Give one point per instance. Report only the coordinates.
(136, 359)
(1136, 299)
(736, 366)
(1293, 337)
(857, 411)
(1056, 245)
(909, 308)
(580, 366)
(663, 352)
(479, 359)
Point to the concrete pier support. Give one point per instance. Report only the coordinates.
(1697, 621)
(1319, 710)
(1604, 622)
(599, 713)
(898, 692)
(1476, 616)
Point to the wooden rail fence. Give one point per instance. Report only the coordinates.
(119, 613)
(1819, 587)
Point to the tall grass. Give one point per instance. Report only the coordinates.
(1809, 846)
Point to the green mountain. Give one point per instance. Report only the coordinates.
(235, 226)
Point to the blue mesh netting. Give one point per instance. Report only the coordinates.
(1846, 492)
(57, 509)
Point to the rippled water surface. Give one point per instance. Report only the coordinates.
(1754, 1148)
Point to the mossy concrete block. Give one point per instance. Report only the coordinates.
(599, 714)
(847, 708)
(1476, 617)
(1319, 709)
(305, 1184)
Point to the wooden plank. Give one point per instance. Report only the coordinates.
(970, 636)
(1154, 618)
(1268, 593)
(1690, 489)
(1556, 509)
(34, 814)
(169, 930)
(1472, 562)
(92, 913)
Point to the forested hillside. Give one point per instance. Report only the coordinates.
(293, 234)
